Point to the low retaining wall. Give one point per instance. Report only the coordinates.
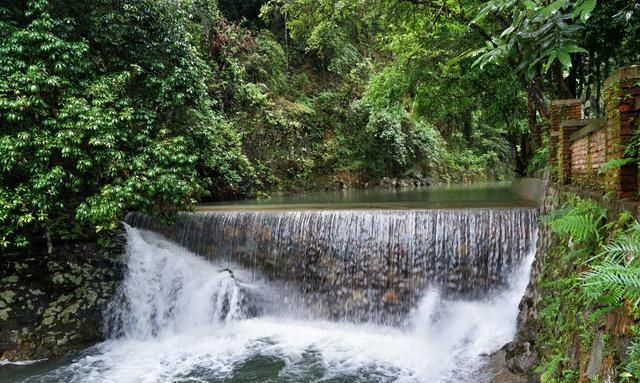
(364, 265)
(530, 189)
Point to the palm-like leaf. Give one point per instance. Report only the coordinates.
(633, 356)
(626, 247)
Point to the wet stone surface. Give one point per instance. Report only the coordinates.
(52, 303)
(364, 265)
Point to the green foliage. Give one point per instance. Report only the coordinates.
(626, 246)
(548, 369)
(266, 63)
(612, 281)
(580, 220)
(540, 159)
(616, 164)
(542, 33)
(110, 106)
(94, 126)
(617, 277)
(559, 318)
(632, 367)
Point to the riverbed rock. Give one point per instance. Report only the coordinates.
(52, 303)
(498, 371)
(520, 357)
(410, 181)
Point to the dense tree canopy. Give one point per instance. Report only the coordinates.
(104, 109)
(108, 106)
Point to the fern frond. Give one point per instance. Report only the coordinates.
(632, 366)
(553, 215)
(580, 220)
(616, 164)
(612, 282)
(634, 229)
(579, 227)
(597, 314)
(626, 247)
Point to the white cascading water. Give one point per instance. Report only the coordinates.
(183, 319)
(368, 266)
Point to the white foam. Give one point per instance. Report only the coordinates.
(182, 315)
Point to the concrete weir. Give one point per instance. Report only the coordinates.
(366, 265)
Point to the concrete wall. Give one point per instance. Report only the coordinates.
(531, 189)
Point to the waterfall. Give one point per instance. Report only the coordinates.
(168, 289)
(363, 265)
(221, 315)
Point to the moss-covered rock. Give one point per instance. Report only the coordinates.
(51, 304)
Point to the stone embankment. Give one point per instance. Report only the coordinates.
(52, 303)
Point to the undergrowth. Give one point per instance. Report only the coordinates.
(593, 270)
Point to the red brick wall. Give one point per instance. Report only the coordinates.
(622, 109)
(597, 150)
(561, 111)
(580, 156)
(587, 156)
(578, 151)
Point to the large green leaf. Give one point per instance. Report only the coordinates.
(564, 57)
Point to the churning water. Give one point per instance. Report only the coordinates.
(182, 318)
(364, 265)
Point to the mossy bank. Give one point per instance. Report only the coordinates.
(564, 334)
(51, 304)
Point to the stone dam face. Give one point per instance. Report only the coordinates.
(363, 265)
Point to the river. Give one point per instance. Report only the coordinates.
(203, 307)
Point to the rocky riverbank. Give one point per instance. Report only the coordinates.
(52, 303)
(516, 361)
(560, 335)
(348, 181)
(521, 354)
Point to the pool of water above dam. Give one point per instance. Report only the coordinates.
(485, 195)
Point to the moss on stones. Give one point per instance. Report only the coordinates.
(576, 341)
(58, 304)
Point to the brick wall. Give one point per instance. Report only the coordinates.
(562, 110)
(597, 150)
(622, 110)
(567, 129)
(580, 156)
(588, 147)
(580, 147)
